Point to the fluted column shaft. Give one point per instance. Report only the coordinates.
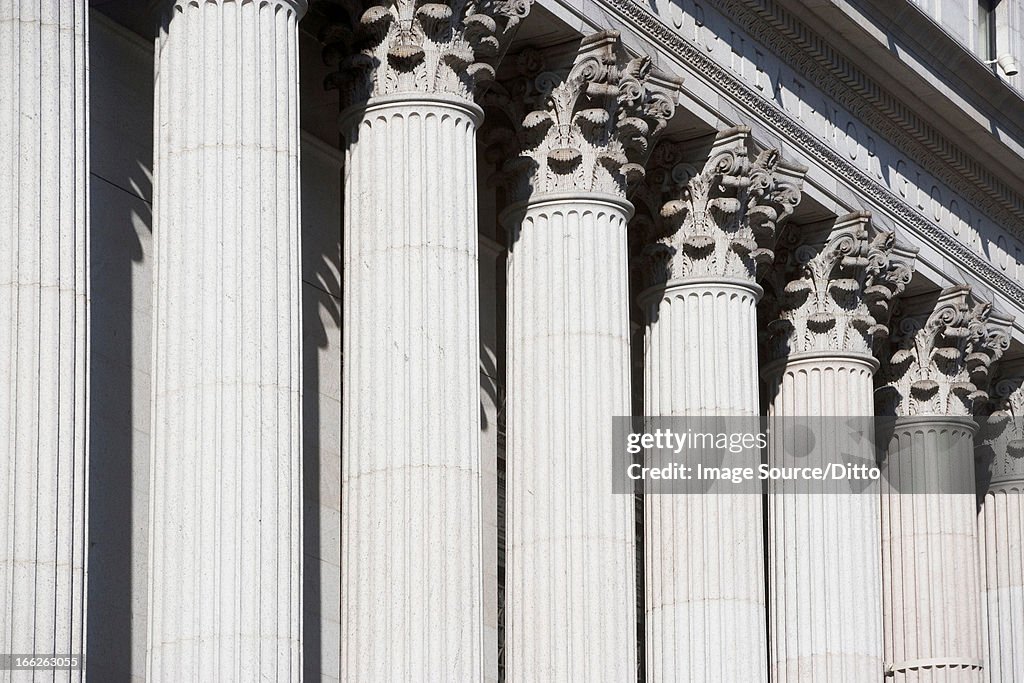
(226, 510)
(1001, 541)
(943, 349)
(931, 608)
(44, 224)
(570, 588)
(824, 568)
(412, 595)
(703, 553)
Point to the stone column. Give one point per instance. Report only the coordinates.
(829, 298)
(704, 552)
(1001, 531)
(570, 578)
(942, 350)
(44, 361)
(412, 529)
(225, 596)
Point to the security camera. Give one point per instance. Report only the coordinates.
(1008, 64)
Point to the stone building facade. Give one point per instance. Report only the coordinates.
(314, 316)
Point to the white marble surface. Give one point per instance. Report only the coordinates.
(411, 546)
(44, 329)
(824, 551)
(225, 591)
(703, 553)
(570, 581)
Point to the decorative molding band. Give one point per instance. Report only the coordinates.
(841, 79)
(787, 126)
(297, 6)
(933, 663)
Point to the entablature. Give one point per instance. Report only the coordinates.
(969, 229)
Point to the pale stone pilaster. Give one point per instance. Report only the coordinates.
(1001, 533)
(44, 363)
(830, 299)
(570, 587)
(225, 599)
(940, 359)
(704, 552)
(412, 529)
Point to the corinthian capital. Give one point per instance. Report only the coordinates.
(1007, 394)
(410, 46)
(941, 356)
(832, 286)
(1000, 449)
(720, 215)
(585, 128)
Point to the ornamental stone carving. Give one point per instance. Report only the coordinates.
(585, 128)
(723, 219)
(941, 357)
(410, 46)
(832, 286)
(1001, 436)
(752, 99)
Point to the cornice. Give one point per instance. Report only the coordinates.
(782, 122)
(842, 80)
(950, 60)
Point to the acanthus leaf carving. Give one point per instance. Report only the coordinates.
(862, 182)
(831, 287)
(585, 128)
(719, 216)
(383, 47)
(1000, 450)
(941, 358)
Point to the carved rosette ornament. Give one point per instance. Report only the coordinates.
(940, 361)
(832, 287)
(410, 46)
(588, 128)
(723, 220)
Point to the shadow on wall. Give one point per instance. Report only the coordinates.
(118, 429)
(121, 147)
(121, 153)
(321, 409)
